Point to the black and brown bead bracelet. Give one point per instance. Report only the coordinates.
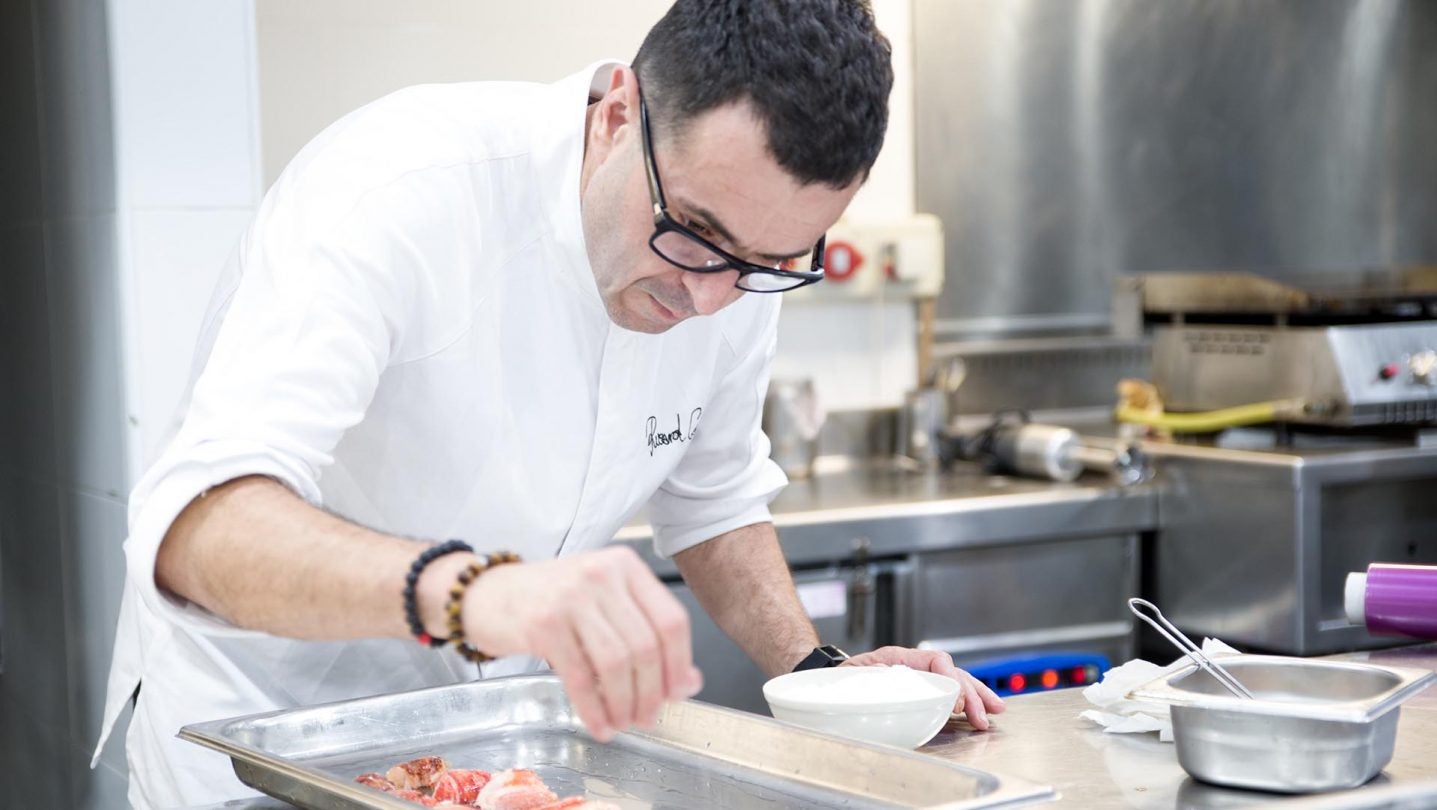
(454, 608)
(411, 582)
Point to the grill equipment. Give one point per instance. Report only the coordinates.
(1352, 349)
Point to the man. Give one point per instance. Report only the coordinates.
(455, 315)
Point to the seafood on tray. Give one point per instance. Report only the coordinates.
(429, 781)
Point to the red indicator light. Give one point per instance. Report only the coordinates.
(1050, 678)
(1017, 683)
(1080, 675)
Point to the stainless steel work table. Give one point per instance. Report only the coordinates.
(903, 511)
(1041, 738)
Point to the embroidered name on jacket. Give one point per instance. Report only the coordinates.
(657, 439)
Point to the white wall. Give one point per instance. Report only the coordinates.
(862, 354)
(322, 58)
(187, 155)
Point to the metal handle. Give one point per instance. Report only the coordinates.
(860, 587)
(1160, 623)
(1124, 462)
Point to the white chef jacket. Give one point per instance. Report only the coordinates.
(410, 335)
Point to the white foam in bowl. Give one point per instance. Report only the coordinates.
(891, 705)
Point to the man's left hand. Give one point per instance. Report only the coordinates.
(975, 699)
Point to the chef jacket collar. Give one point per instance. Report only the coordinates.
(558, 157)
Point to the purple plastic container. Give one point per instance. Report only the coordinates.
(1394, 599)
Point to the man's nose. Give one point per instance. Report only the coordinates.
(711, 292)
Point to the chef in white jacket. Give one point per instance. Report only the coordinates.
(513, 314)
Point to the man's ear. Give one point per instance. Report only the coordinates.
(616, 115)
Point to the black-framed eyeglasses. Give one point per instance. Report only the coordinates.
(680, 246)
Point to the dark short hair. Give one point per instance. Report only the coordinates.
(817, 72)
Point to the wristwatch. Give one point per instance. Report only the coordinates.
(821, 657)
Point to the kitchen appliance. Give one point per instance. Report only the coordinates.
(1017, 674)
(1261, 525)
(1350, 349)
(1012, 445)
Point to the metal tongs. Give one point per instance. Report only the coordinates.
(1160, 623)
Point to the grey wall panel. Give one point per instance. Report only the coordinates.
(63, 433)
(77, 146)
(20, 199)
(1065, 142)
(86, 357)
(27, 419)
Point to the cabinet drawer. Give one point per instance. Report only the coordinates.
(1017, 588)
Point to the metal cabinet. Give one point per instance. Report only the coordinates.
(1257, 543)
(851, 605)
(977, 603)
(982, 566)
(985, 602)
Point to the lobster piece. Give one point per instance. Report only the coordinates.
(516, 789)
(460, 786)
(417, 774)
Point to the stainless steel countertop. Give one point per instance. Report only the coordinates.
(900, 510)
(1041, 737)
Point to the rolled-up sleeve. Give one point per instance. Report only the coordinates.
(725, 480)
(307, 330)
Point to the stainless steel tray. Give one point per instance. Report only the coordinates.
(698, 757)
(1338, 691)
(1313, 725)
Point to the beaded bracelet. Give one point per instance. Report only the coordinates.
(453, 609)
(411, 580)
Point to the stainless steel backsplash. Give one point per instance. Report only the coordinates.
(1065, 142)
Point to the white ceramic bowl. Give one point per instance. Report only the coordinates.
(892, 718)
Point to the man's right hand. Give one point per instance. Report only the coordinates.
(613, 633)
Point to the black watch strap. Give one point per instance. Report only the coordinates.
(821, 657)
